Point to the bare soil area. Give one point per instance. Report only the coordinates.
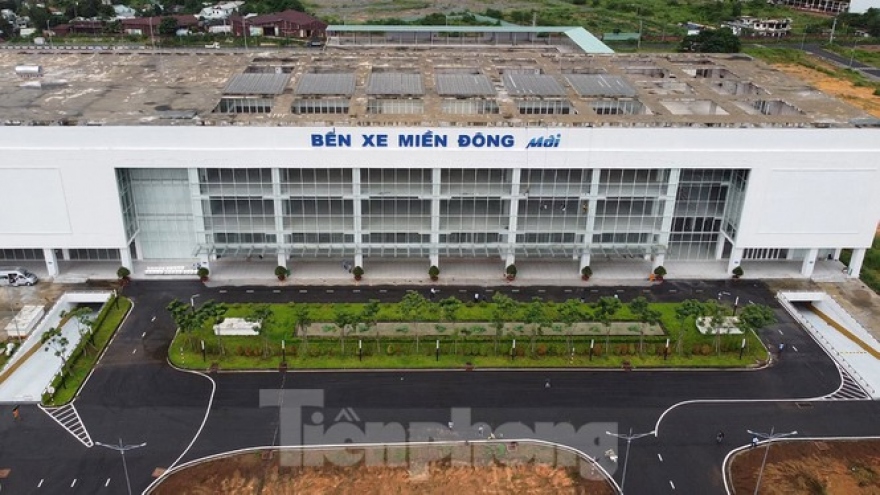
(811, 468)
(861, 97)
(254, 474)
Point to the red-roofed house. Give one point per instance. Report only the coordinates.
(287, 24)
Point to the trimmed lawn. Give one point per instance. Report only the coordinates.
(481, 348)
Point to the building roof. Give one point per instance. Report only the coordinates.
(512, 86)
(290, 16)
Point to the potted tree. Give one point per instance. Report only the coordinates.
(586, 273)
(282, 272)
(659, 273)
(434, 273)
(203, 273)
(358, 272)
(737, 272)
(510, 272)
(123, 273)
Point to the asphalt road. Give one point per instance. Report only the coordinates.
(135, 396)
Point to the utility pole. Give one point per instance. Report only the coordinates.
(121, 448)
(769, 438)
(629, 438)
(833, 27)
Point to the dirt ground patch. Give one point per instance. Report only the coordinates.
(255, 474)
(811, 468)
(861, 97)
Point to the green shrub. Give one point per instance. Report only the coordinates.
(705, 349)
(541, 349)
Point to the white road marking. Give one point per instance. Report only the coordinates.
(107, 483)
(250, 291)
(660, 457)
(672, 484)
(329, 291)
(515, 290)
(40, 483)
(780, 332)
(276, 291)
(152, 319)
(222, 291)
(356, 291)
(143, 334)
(567, 291)
(134, 351)
(795, 348)
(302, 291)
(541, 291)
(74, 483)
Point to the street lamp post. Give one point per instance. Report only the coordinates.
(192, 301)
(629, 438)
(852, 55)
(769, 438)
(121, 448)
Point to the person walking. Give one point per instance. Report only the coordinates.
(780, 349)
(754, 442)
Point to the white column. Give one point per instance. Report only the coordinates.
(436, 187)
(735, 260)
(513, 216)
(719, 246)
(855, 263)
(809, 262)
(668, 213)
(789, 254)
(588, 207)
(125, 258)
(585, 259)
(51, 262)
(65, 254)
(195, 193)
(278, 209)
(837, 254)
(139, 252)
(357, 216)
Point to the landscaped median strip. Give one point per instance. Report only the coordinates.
(448, 334)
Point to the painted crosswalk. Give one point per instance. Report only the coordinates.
(69, 419)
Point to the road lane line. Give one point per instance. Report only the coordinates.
(143, 334)
(780, 332)
(222, 291)
(795, 348)
(660, 457)
(672, 484)
(134, 351)
(40, 483)
(276, 291)
(356, 291)
(74, 483)
(302, 291)
(107, 483)
(250, 291)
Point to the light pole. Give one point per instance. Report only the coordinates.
(629, 438)
(769, 438)
(121, 448)
(852, 55)
(192, 301)
(833, 27)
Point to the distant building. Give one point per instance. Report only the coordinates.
(753, 26)
(143, 26)
(823, 6)
(287, 24)
(219, 12)
(124, 12)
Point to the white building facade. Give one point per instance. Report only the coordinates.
(437, 193)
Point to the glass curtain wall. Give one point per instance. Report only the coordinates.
(629, 212)
(552, 213)
(396, 212)
(164, 216)
(238, 212)
(474, 212)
